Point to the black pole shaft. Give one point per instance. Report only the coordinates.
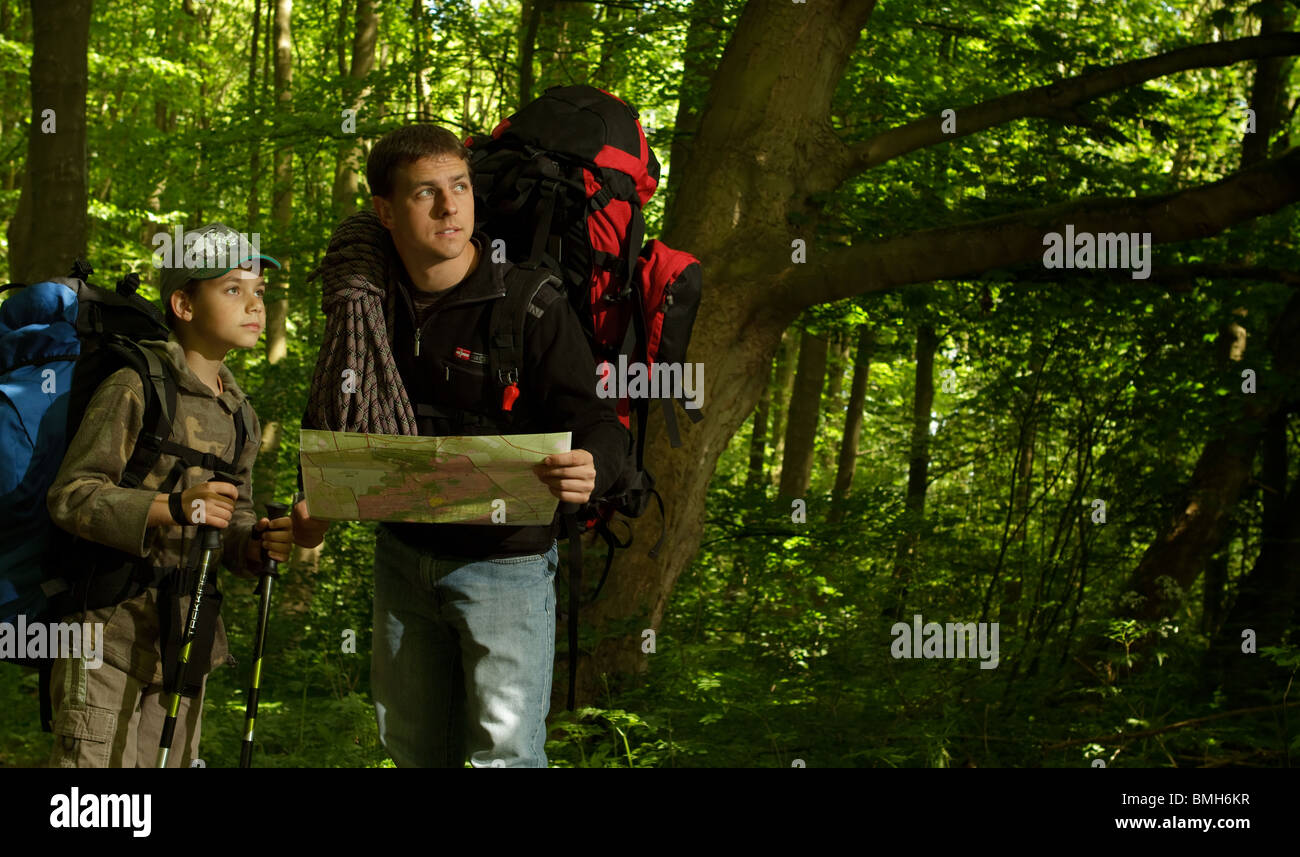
(211, 547)
(274, 511)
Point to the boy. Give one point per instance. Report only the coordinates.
(113, 716)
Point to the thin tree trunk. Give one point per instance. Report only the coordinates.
(1013, 585)
(277, 307)
(1268, 90)
(341, 37)
(49, 228)
(348, 161)
(786, 360)
(254, 215)
(417, 24)
(918, 466)
(698, 65)
(1216, 579)
(805, 413)
(758, 438)
(469, 92)
(1268, 598)
(532, 18)
(837, 365)
(853, 422)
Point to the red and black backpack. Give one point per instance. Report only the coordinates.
(561, 184)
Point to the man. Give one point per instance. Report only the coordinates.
(464, 615)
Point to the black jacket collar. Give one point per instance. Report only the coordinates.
(485, 282)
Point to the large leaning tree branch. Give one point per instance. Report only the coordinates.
(1174, 278)
(969, 249)
(1054, 101)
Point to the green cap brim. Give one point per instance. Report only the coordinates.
(209, 273)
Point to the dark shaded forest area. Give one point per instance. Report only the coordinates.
(927, 399)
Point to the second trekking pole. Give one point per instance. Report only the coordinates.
(210, 553)
(274, 511)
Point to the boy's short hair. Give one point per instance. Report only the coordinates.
(407, 144)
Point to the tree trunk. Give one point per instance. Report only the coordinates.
(918, 466)
(341, 37)
(531, 16)
(254, 215)
(758, 439)
(1268, 597)
(836, 366)
(277, 305)
(837, 363)
(805, 413)
(417, 24)
(852, 423)
(786, 360)
(1195, 529)
(348, 160)
(1013, 585)
(1269, 88)
(698, 64)
(609, 18)
(1196, 533)
(49, 228)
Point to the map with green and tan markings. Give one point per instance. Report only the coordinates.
(487, 479)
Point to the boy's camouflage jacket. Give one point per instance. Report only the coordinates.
(84, 498)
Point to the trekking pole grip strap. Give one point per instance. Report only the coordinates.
(177, 508)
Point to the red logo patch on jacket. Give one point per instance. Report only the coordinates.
(469, 356)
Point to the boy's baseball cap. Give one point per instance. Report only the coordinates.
(212, 238)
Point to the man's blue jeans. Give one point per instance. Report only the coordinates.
(462, 657)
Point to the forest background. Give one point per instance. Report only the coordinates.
(906, 412)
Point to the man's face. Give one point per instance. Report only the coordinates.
(431, 212)
(226, 311)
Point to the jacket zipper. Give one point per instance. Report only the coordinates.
(410, 305)
(418, 327)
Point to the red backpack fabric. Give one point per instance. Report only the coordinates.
(560, 186)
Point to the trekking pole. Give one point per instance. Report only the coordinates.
(210, 550)
(274, 511)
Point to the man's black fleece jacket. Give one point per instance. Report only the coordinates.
(557, 391)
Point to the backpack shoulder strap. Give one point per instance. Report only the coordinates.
(160, 393)
(159, 410)
(524, 293)
(241, 428)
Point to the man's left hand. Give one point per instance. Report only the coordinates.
(571, 476)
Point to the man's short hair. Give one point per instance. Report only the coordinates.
(405, 145)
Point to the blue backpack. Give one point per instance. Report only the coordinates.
(38, 351)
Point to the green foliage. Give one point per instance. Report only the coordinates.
(775, 646)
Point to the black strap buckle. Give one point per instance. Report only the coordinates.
(508, 376)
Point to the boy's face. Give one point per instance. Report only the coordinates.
(431, 213)
(226, 311)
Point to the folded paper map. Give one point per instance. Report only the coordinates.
(434, 480)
